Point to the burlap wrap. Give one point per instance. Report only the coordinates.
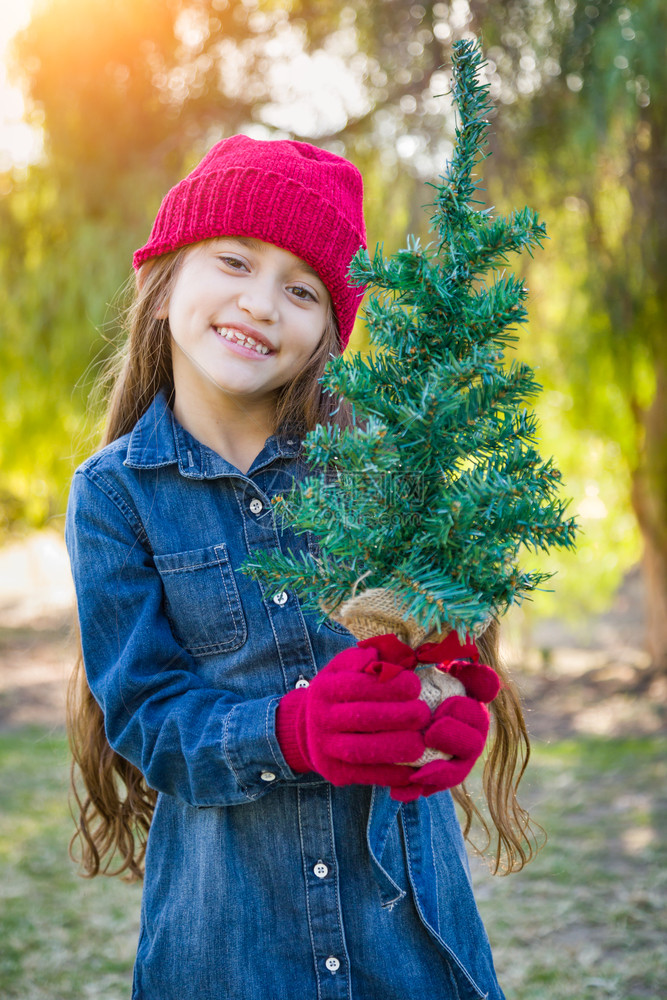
(376, 612)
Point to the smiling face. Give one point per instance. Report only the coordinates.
(245, 317)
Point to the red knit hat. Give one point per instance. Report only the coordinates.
(294, 195)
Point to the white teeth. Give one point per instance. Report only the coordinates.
(229, 333)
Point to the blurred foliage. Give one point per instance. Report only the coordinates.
(130, 94)
(583, 135)
(57, 266)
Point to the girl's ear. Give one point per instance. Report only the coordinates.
(162, 311)
(143, 272)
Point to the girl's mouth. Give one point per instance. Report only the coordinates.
(242, 343)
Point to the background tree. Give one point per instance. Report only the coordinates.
(130, 93)
(588, 138)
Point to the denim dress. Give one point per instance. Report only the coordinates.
(260, 883)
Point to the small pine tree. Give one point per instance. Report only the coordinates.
(437, 488)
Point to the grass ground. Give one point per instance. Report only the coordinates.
(585, 921)
(61, 938)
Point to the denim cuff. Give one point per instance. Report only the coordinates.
(251, 746)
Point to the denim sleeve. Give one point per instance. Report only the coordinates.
(197, 743)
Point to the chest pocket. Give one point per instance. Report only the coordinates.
(202, 600)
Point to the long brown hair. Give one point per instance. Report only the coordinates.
(113, 801)
(516, 838)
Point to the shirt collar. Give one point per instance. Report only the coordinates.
(158, 440)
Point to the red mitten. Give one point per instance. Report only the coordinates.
(459, 728)
(479, 680)
(461, 660)
(357, 721)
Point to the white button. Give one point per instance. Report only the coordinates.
(290, 442)
(280, 598)
(302, 683)
(321, 869)
(256, 505)
(332, 964)
(267, 776)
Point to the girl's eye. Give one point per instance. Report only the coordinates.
(303, 293)
(234, 262)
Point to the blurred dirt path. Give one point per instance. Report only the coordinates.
(36, 617)
(572, 684)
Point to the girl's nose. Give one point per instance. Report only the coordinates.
(259, 301)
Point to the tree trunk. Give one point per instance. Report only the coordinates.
(649, 499)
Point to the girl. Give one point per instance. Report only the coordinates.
(290, 852)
